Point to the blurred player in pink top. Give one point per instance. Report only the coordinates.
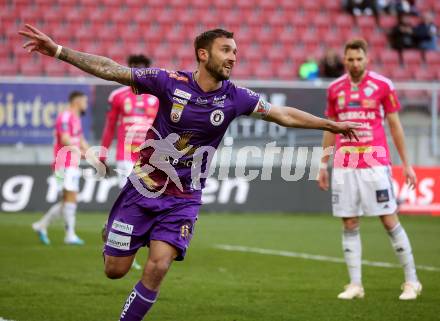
(133, 115)
(361, 177)
(69, 146)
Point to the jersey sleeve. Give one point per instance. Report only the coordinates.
(390, 102)
(251, 104)
(330, 110)
(149, 81)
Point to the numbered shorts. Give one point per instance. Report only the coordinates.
(135, 220)
(363, 191)
(68, 179)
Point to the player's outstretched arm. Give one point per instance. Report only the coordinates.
(98, 66)
(292, 117)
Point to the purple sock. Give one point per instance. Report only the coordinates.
(138, 303)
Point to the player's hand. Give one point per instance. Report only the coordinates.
(38, 41)
(346, 128)
(410, 176)
(323, 179)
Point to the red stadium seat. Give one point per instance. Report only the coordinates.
(8, 68)
(412, 57)
(399, 74)
(389, 57)
(433, 58)
(55, 68)
(286, 71)
(31, 69)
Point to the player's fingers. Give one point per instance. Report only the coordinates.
(27, 34)
(33, 29)
(29, 43)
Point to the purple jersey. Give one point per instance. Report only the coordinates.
(199, 119)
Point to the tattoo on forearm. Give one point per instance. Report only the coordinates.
(99, 66)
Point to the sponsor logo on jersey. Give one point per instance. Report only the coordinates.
(250, 92)
(176, 112)
(127, 105)
(182, 94)
(219, 101)
(180, 101)
(152, 72)
(392, 100)
(201, 101)
(175, 75)
(356, 149)
(121, 242)
(354, 104)
(335, 198)
(341, 99)
(122, 227)
(351, 115)
(368, 103)
(217, 117)
(354, 96)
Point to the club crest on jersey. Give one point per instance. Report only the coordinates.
(368, 91)
(176, 112)
(217, 117)
(127, 105)
(182, 94)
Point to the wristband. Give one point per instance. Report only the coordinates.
(58, 52)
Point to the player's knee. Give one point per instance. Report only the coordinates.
(114, 271)
(158, 267)
(351, 224)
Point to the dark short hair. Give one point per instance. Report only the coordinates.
(356, 43)
(139, 60)
(205, 39)
(74, 94)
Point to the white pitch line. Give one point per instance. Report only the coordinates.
(306, 256)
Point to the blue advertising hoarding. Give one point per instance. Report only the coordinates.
(28, 111)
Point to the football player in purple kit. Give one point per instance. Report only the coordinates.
(195, 110)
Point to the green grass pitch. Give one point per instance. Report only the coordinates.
(62, 283)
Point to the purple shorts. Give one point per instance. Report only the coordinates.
(135, 220)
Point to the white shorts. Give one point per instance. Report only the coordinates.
(68, 179)
(124, 169)
(363, 191)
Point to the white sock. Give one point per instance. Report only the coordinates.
(402, 248)
(69, 212)
(351, 245)
(50, 215)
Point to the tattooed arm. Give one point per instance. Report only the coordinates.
(98, 66)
